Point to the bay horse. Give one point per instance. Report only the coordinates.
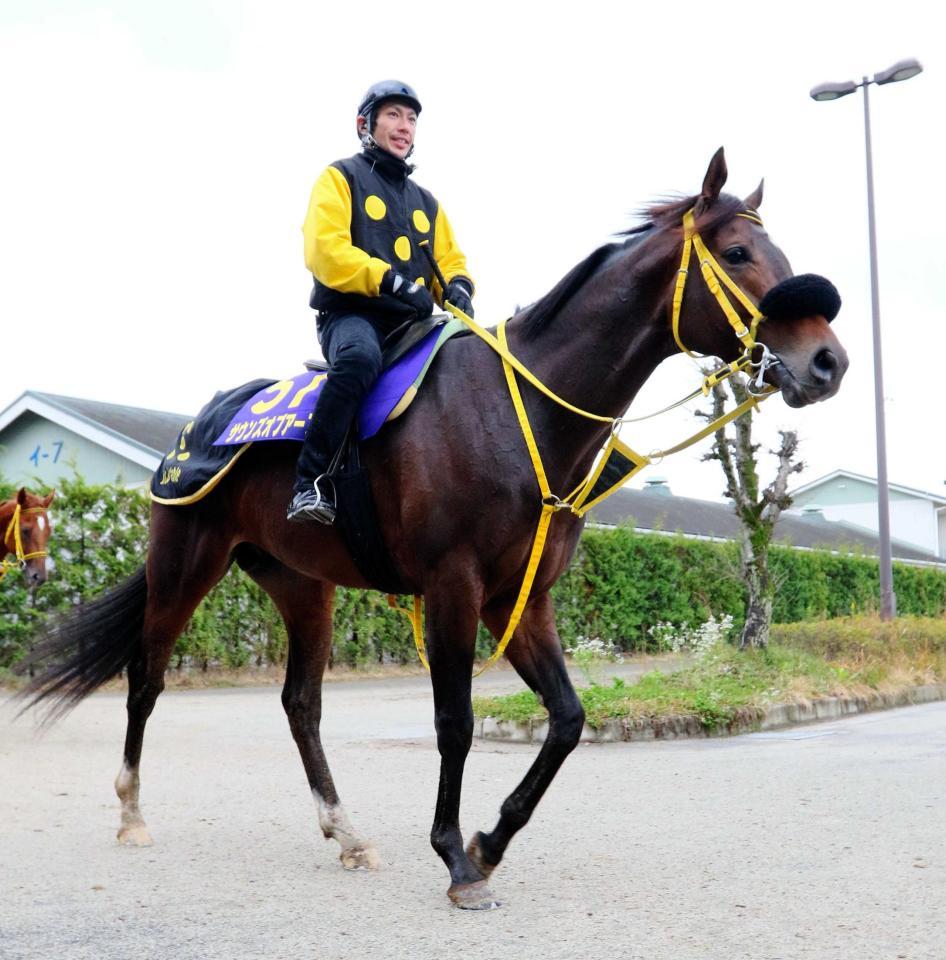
(458, 505)
(25, 524)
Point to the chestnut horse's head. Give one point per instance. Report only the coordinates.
(789, 316)
(26, 531)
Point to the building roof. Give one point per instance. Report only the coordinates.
(145, 435)
(872, 481)
(663, 512)
(139, 434)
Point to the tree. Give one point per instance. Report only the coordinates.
(757, 512)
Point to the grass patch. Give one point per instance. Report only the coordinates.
(851, 657)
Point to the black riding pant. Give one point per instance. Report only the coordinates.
(352, 346)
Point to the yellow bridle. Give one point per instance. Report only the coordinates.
(580, 500)
(712, 274)
(13, 529)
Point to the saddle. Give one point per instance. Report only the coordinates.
(281, 410)
(209, 445)
(397, 342)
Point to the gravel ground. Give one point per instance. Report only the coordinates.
(820, 842)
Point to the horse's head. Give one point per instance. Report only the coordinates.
(796, 311)
(26, 534)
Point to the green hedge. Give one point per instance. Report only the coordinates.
(99, 538)
(619, 585)
(621, 582)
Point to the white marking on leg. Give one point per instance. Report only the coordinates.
(357, 854)
(335, 823)
(132, 830)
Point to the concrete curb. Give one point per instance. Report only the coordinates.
(750, 720)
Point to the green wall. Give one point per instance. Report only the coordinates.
(33, 447)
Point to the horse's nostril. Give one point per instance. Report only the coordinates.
(824, 365)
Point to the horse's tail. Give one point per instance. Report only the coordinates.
(87, 646)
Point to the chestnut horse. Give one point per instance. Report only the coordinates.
(25, 525)
(458, 505)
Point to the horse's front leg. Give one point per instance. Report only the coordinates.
(536, 653)
(451, 620)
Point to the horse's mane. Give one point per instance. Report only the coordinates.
(670, 211)
(659, 217)
(536, 317)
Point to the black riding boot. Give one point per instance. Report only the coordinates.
(353, 349)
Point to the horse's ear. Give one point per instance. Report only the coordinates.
(754, 200)
(716, 175)
(48, 499)
(21, 496)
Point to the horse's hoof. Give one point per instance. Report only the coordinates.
(475, 852)
(136, 836)
(362, 857)
(473, 896)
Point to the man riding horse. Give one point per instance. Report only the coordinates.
(362, 232)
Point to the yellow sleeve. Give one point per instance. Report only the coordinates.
(448, 255)
(329, 252)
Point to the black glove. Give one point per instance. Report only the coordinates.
(412, 295)
(460, 294)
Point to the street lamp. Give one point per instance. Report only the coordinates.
(901, 70)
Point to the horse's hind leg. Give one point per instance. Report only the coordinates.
(536, 653)
(183, 564)
(306, 608)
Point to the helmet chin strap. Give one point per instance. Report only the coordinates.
(369, 142)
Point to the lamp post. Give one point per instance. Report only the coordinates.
(901, 70)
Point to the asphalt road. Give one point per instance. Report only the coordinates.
(820, 842)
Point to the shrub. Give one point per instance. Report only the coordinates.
(620, 585)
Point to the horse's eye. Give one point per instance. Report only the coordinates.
(736, 255)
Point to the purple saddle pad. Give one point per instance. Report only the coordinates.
(282, 411)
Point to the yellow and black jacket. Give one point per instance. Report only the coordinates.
(366, 217)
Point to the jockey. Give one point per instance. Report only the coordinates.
(365, 221)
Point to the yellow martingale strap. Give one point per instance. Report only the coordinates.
(523, 417)
(416, 617)
(538, 545)
(616, 465)
(549, 506)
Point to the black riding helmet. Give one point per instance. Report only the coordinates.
(386, 90)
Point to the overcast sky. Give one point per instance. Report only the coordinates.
(157, 161)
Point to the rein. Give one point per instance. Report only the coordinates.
(617, 462)
(17, 549)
